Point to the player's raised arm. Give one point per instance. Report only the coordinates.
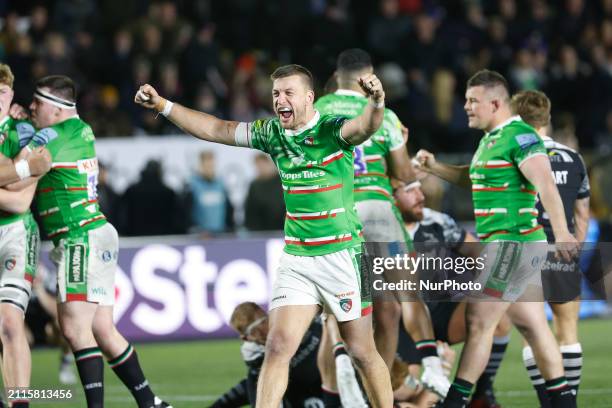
(360, 128)
(459, 175)
(199, 124)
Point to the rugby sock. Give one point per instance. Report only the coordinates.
(572, 363)
(91, 370)
(560, 393)
(536, 377)
(458, 394)
(346, 378)
(331, 399)
(127, 368)
(427, 348)
(485, 382)
(237, 396)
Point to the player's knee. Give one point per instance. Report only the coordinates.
(11, 327)
(387, 314)
(503, 327)
(362, 353)
(478, 325)
(280, 345)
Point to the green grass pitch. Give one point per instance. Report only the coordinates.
(192, 374)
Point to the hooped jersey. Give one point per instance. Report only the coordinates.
(67, 195)
(371, 179)
(504, 200)
(316, 170)
(14, 135)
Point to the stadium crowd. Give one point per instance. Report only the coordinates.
(216, 56)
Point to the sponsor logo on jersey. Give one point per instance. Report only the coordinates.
(309, 141)
(526, 139)
(76, 263)
(491, 144)
(9, 264)
(346, 304)
(88, 166)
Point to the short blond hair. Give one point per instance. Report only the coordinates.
(245, 314)
(532, 106)
(6, 75)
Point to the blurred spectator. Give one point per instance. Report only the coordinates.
(108, 199)
(230, 47)
(211, 210)
(149, 207)
(388, 31)
(265, 207)
(39, 25)
(108, 119)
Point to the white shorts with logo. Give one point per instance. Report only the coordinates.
(511, 266)
(382, 226)
(86, 266)
(333, 281)
(19, 243)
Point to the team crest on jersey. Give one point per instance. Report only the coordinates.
(491, 144)
(309, 141)
(346, 304)
(9, 264)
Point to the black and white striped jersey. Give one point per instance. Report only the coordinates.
(570, 175)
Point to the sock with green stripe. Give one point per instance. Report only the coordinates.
(91, 370)
(459, 394)
(560, 393)
(127, 368)
(427, 348)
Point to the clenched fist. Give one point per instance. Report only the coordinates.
(148, 97)
(39, 161)
(372, 87)
(424, 160)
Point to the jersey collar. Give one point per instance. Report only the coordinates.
(349, 92)
(309, 125)
(505, 123)
(544, 137)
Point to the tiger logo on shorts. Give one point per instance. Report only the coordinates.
(346, 304)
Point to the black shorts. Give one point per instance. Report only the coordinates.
(441, 313)
(560, 279)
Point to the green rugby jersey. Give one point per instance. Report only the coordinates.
(316, 169)
(371, 179)
(14, 134)
(504, 200)
(67, 194)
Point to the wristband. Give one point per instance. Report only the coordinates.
(23, 169)
(167, 108)
(379, 105)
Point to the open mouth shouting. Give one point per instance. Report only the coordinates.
(285, 114)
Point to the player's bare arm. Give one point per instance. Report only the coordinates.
(399, 161)
(581, 218)
(360, 128)
(537, 170)
(199, 124)
(459, 175)
(36, 163)
(17, 202)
